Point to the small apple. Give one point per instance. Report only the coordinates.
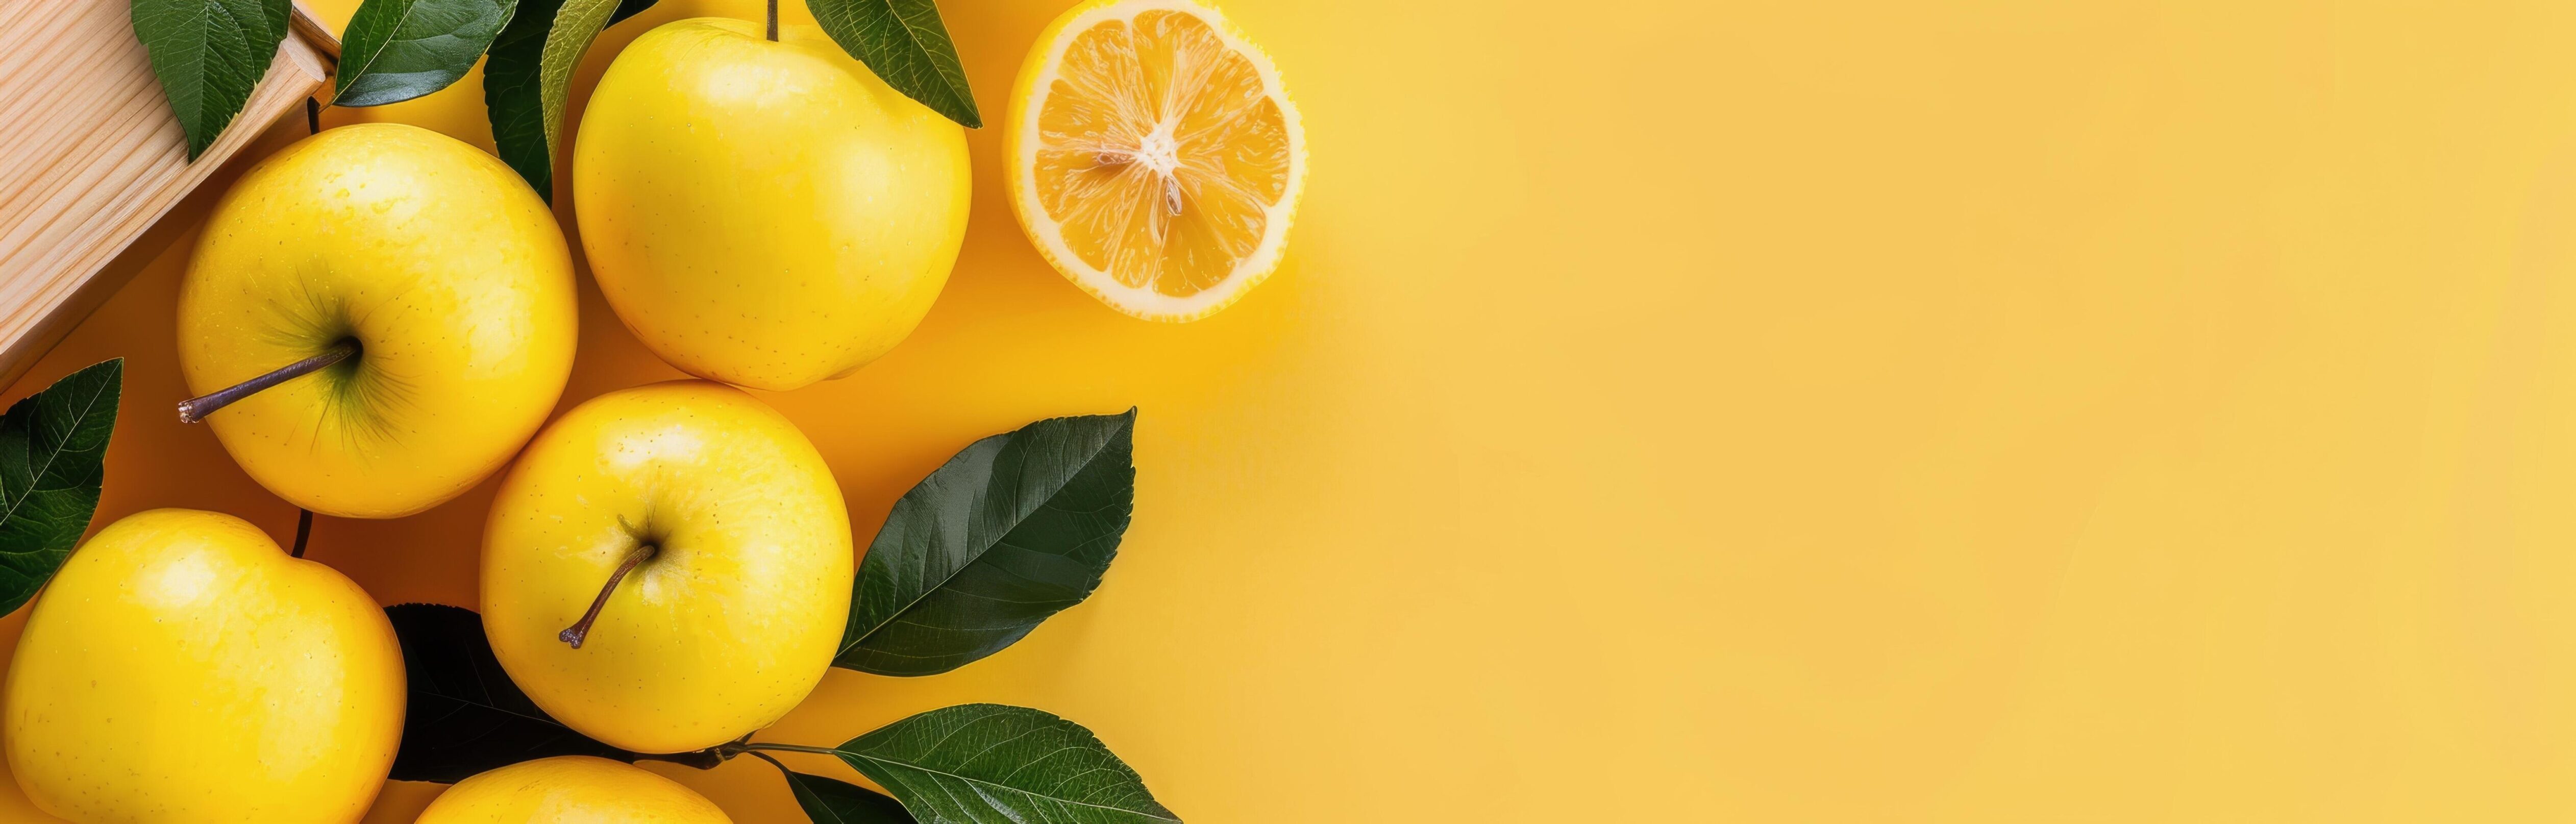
(181, 668)
(725, 549)
(767, 214)
(571, 788)
(382, 313)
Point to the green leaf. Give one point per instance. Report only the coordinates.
(209, 54)
(832, 801)
(465, 716)
(904, 42)
(529, 78)
(510, 95)
(396, 50)
(53, 452)
(995, 764)
(1014, 529)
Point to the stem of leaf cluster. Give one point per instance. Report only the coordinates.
(303, 532)
(773, 21)
(580, 630)
(782, 768)
(755, 747)
(715, 756)
(706, 759)
(197, 408)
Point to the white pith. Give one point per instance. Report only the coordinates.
(1162, 158)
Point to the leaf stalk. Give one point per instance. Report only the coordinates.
(706, 759)
(756, 746)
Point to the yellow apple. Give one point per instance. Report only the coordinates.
(571, 789)
(764, 214)
(435, 263)
(668, 567)
(181, 668)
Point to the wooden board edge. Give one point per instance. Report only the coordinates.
(309, 25)
(302, 69)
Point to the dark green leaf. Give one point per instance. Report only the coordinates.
(209, 54)
(53, 452)
(396, 50)
(1012, 530)
(904, 42)
(832, 801)
(465, 716)
(510, 95)
(994, 764)
(529, 78)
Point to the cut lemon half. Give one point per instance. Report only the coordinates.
(1154, 157)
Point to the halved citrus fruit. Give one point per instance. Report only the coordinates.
(1154, 157)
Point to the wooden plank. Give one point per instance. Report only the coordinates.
(91, 156)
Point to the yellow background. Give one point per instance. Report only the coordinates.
(1768, 411)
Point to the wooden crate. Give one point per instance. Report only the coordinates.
(91, 156)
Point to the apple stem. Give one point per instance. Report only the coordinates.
(580, 630)
(773, 21)
(313, 115)
(303, 532)
(196, 409)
